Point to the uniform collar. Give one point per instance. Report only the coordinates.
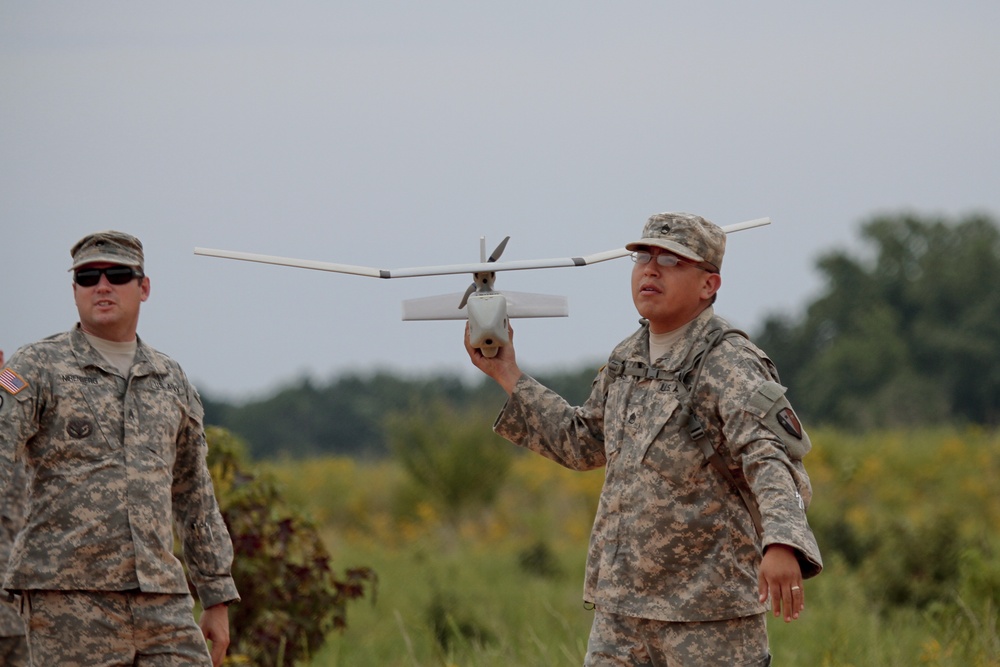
(637, 347)
(145, 363)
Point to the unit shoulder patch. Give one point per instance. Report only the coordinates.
(790, 422)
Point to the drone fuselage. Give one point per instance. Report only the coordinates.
(488, 322)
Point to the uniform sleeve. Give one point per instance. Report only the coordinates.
(11, 520)
(538, 419)
(12, 506)
(769, 457)
(19, 398)
(208, 549)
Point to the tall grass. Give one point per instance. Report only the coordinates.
(908, 523)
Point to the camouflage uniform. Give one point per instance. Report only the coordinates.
(13, 647)
(672, 541)
(116, 463)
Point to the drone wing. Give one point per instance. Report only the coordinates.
(445, 269)
(441, 270)
(519, 304)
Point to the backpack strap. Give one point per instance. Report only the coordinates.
(696, 430)
(698, 435)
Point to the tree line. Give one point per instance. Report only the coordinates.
(350, 415)
(905, 332)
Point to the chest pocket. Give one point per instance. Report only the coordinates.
(74, 434)
(666, 449)
(157, 414)
(635, 411)
(615, 406)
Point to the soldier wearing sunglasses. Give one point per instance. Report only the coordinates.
(111, 433)
(701, 524)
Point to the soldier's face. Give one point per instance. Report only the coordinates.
(671, 296)
(110, 311)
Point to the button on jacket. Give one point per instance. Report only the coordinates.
(672, 540)
(114, 464)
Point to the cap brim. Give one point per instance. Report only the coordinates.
(104, 259)
(673, 247)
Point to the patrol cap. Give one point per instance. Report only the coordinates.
(109, 246)
(684, 234)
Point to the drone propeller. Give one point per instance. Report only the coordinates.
(499, 250)
(465, 297)
(486, 280)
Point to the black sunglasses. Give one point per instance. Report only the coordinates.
(116, 275)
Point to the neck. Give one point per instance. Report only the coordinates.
(118, 335)
(679, 322)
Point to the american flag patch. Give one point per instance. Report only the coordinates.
(11, 381)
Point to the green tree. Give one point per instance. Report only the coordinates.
(347, 416)
(453, 459)
(906, 333)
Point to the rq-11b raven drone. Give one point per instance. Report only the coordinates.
(486, 309)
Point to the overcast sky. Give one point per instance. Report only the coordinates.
(395, 134)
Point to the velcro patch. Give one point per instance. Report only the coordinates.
(12, 382)
(790, 422)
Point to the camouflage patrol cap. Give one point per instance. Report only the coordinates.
(109, 246)
(689, 236)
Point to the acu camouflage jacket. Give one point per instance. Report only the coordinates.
(11, 519)
(114, 464)
(672, 539)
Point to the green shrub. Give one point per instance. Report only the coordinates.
(453, 460)
(291, 598)
(539, 560)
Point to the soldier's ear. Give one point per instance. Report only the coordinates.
(710, 285)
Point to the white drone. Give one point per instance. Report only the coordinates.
(486, 309)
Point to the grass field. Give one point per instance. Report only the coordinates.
(908, 523)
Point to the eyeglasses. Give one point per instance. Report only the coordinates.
(664, 259)
(116, 275)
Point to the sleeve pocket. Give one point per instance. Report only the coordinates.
(770, 405)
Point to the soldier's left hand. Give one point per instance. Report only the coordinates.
(781, 580)
(215, 626)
